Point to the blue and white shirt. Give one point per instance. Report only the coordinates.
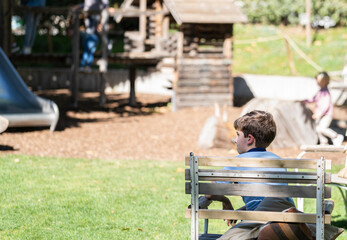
(252, 203)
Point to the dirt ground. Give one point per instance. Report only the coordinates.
(117, 131)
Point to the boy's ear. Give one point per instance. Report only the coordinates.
(251, 139)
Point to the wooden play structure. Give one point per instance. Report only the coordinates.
(201, 46)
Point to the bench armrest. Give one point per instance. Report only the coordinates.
(203, 202)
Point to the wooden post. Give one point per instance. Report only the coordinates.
(180, 40)
(104, 41)
(158, 19)
(143, 19)
(103, 65)
(5, 26)
(229, 54)
(102, 97)
(76, 60)
(132, 78)
(158, 31)
(2, 11)
(290, 58)
(308, 23)
(166, 24)
(227, 48)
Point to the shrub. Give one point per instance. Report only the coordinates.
(288, 11)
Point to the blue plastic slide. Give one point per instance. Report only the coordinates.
(19, 105)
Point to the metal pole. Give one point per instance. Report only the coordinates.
(320, 199)
(194, 197)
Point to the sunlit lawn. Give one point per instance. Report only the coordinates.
(271, 57)
(55, 198)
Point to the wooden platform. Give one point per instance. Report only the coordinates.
(65, 59)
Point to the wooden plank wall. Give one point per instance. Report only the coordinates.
(204, 71)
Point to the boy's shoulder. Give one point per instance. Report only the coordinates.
(258, 154)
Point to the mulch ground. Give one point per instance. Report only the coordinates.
(117, 131)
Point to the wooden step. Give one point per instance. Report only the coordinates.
(202, 69)
(204, 97)
(198, 82)
(204, 61)
(203, 90)
(204, 74)
(190, 104)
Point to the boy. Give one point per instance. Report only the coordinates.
(323, 113)
(255, 131)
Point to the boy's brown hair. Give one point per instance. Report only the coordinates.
(323, 76)
(260, 125)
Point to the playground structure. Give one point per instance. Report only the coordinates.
(20, 106)
(201, 48)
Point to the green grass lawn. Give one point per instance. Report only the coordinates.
(271, 58)
(55, 198)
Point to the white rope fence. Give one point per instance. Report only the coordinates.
(256, 40)
(291, 43)
(302, 54)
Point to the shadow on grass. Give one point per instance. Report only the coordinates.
(89, 104)
(340, 223)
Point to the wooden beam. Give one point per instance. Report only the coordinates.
(5, 26)
(125, 5)
(258, 216)
(45, 9)
(76, 60)
(135, 13)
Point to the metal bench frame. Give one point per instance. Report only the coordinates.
(195, 185)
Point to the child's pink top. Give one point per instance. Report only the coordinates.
(324, 105)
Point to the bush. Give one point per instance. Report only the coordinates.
(288, 11)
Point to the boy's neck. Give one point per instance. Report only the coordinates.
(256, 149)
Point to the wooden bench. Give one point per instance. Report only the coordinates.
(202, 179)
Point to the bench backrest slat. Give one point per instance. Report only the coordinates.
(258, 216)
(259, 162)
(260, 190)
(257, 176)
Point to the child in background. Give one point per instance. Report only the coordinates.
(31, 21)
(323, 113)
(90, 37)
